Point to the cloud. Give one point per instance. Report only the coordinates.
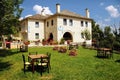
(28, 15)
(101, 4)
(112, 11)
(21, 18)
(42, 10)
(37, 9)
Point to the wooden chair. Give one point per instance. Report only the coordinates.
(109, 54)
(32, 53)
(44, 63)
(28, 64)
(49, 57)
(100, 53)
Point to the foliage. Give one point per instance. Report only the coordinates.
(116, 43)
(10, 12)
(103, 38)
(97, 33)
(62, 41)
(86, 34)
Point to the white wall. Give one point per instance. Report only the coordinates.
(75, 30)
(32, 30)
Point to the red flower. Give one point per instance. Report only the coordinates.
(27, 42)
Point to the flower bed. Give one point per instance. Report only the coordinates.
(62, 49)
(55, 48)
(73, 52)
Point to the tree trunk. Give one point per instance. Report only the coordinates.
(3, 42)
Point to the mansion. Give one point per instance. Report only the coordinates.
(61, 25)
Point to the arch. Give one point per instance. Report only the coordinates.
(68, 36)
(50, 38)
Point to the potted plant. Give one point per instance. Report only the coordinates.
(44, 42)
(26, 42)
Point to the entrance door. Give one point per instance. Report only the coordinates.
(67, 36)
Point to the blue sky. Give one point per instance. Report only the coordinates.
(104, 12)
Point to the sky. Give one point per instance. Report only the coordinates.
(104, 12)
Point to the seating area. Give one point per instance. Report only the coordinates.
(105, 52)
(39, 62)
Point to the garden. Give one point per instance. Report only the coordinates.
(84, 66)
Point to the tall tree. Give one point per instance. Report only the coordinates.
(97, 34)
(108, 37)
(10, 12)
(116, 33)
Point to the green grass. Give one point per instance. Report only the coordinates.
(84, 66)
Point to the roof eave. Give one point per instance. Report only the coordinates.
(80, 17)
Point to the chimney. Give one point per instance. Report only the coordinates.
(42, 11)
(57, 8)
(87, 13)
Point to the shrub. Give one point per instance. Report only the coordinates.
(62, 41)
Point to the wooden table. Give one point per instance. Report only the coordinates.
(105, 50)
(34, 57)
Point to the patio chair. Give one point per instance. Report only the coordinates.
(25, 64)
(44, 64)
(49, 57)
(30, 53)
(100, 53)
(109, 54)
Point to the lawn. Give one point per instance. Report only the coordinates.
(84, 66)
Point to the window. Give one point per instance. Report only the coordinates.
(82, 23)
(70, 22)
(86, 24)
(52, 22)
(36, 35)
(64, 21)
(47, 24)
(36, 24)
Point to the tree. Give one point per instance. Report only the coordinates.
(86, 34)
(97, 34)
(108, 37)
(116, 43)
(10, 12)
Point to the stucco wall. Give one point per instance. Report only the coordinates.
(51, 28)
(75, 29)
(32, 30)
